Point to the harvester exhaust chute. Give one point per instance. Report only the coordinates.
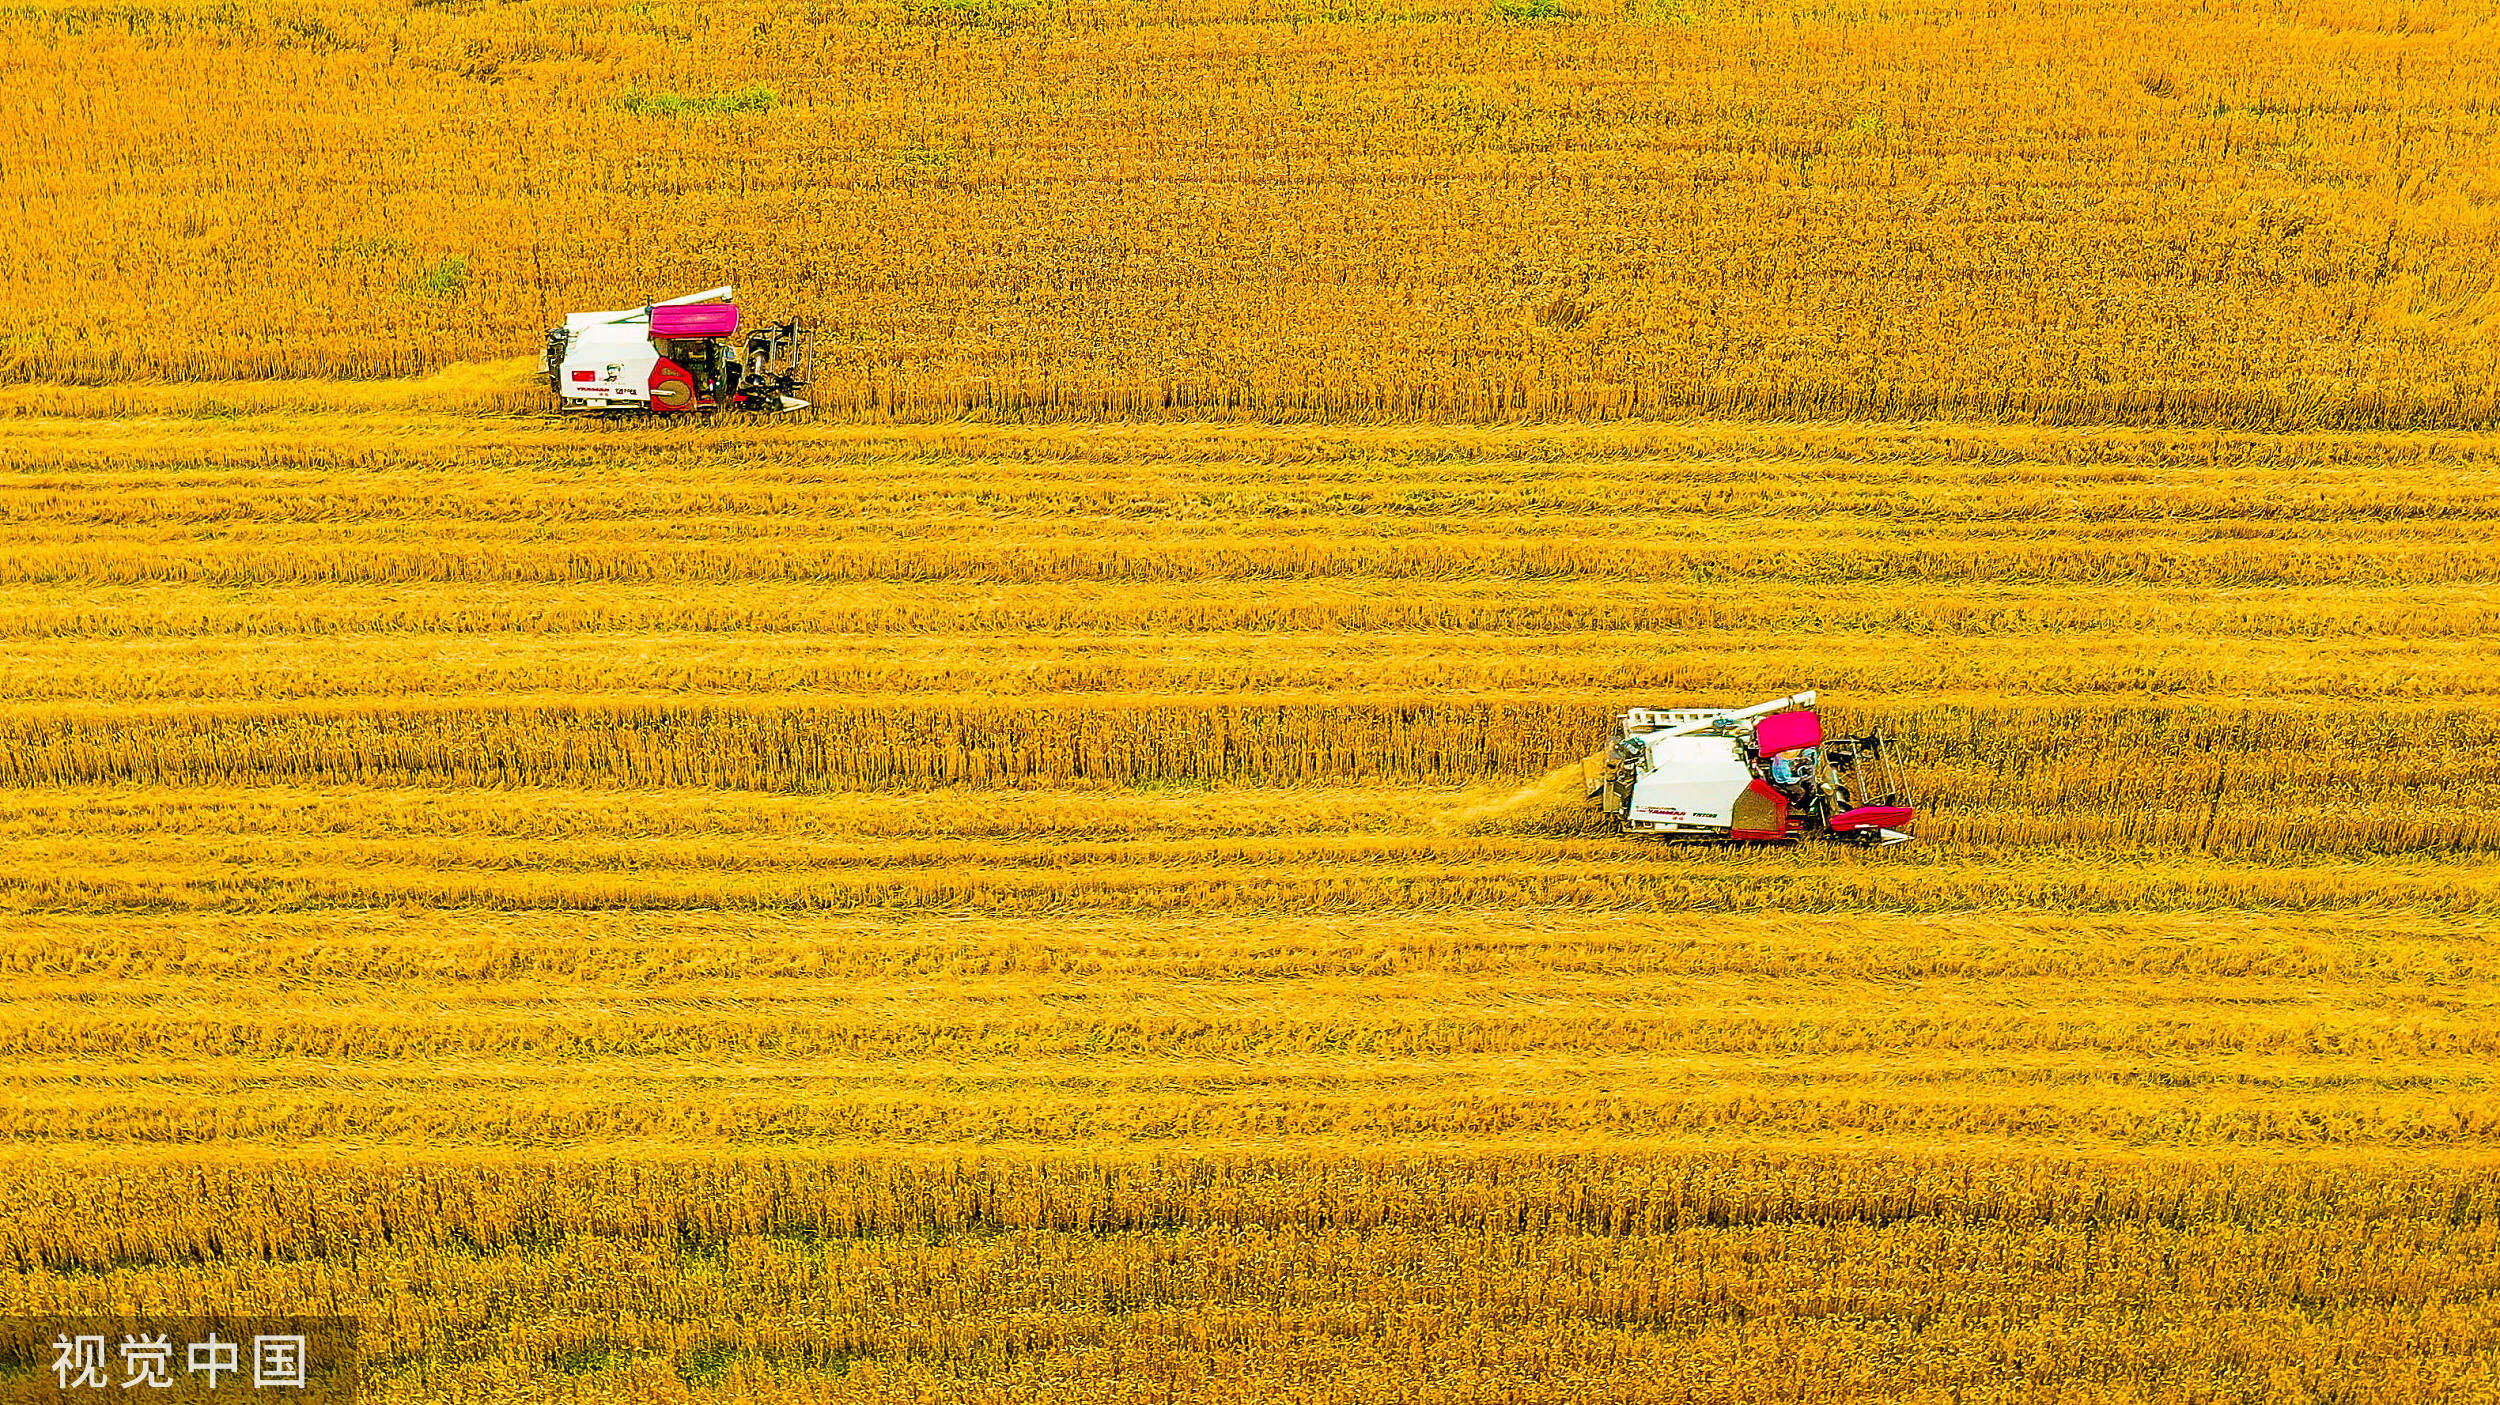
(1757, 774)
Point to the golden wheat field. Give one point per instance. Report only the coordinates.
(2230, 212)
(1061, 875)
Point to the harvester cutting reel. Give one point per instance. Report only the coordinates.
(1758, 774)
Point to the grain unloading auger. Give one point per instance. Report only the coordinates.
(682, 355)
(1760, 773)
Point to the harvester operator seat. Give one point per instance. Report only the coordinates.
(1787, 741)
(1792, 772)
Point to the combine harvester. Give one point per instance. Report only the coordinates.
(677, 356)
(1762, 773)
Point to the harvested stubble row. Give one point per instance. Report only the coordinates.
(2193, 1031)
(1330, 1277)
(572, 896)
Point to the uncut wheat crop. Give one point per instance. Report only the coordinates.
(1063, 873)
(2278, 214)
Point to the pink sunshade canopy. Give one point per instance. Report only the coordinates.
(1782, 730)
(699, 319)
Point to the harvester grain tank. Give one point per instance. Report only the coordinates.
(1764, 773)
(684, 355)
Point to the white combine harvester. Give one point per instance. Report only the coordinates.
(1761, 773)
(678, 356)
